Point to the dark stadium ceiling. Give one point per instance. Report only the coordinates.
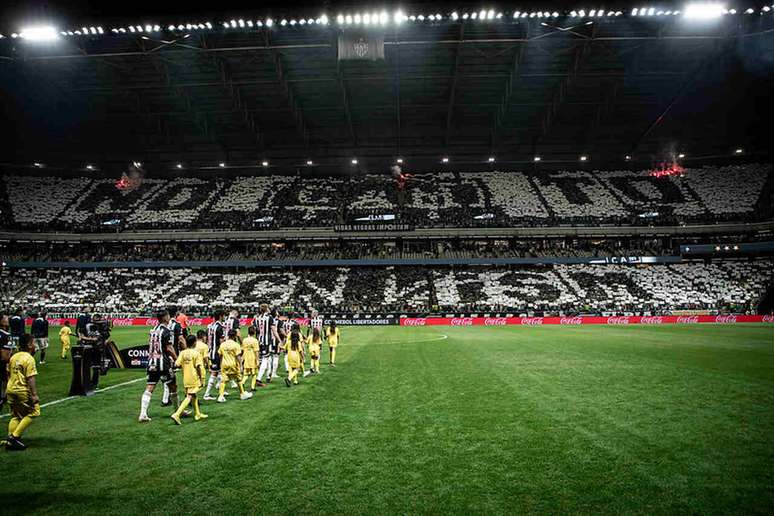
(560, 84)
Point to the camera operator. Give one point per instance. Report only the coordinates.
(95, 337)
(80, 325)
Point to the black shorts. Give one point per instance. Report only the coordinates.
(215, 363)
(166, 376)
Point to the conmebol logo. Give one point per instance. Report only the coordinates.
(617, 320)
(495, 321)
(690, 319)
(652, 320)
(532, 321)
(725, 319)
(571, 320)
(462, 321)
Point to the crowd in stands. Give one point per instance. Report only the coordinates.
(332, 250)
(732, 285)
(701, 195)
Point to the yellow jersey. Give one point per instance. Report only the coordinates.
(249, 350)
(229, 351)
(190, 361)
(314, 345)
(20, 367)
(64, 334)
(333, 337)
(203, 350)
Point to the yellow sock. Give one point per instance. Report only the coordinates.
(197, 411)
(22, 426)
(254, 382)
(182, 406)
(333, 355)
(222, 387)
(241, 387)
(12, 424)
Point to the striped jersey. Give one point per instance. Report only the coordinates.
(216, 333)
(177, 330)
(263, 324)
(287, 326)
(158, 357)
(232, 323)
(317, 323)
(5, 342)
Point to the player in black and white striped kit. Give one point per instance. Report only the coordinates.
(315, 323)
(177, 342)
(161, 363)
(268, 338)
(216, 334)
(287, 327)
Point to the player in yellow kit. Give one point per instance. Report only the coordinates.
(334, 335)
(314, 344)
(202, 349)
(64, 338)
(22, 393)
(190, 361)
(294, 350)
(250, 357)
(230, 367)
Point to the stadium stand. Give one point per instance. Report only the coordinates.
(733, 285)
(705, 195)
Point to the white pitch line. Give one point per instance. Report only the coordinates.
(104, 389)
(442, 337)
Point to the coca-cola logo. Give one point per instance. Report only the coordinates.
(195, 321)
(767, 318)
(571, 320)
(123, 322)
(462, 321)
(495, 321)
(725, 319)
(151, 322)
(414, 322)
(532, 321)
(652, 320)
(690, 319)
(617, 320)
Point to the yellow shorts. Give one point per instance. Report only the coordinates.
(192, 390)
(231, 374)
(249, 371)
(21, 406)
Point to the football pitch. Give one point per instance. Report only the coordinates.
(495, 420)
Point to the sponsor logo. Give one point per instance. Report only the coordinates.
(767, 318)
(652, 320)
(123, 322)
(532, 321)
(725, 319)
(495, 321)
(617, 320)
(414, 322)
(462, 321)
(688, 319)
(151, 322)
(195, 321)
(571, 320)
(137, 353)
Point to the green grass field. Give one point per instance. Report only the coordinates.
(637, 419)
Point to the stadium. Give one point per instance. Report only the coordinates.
(387, 259)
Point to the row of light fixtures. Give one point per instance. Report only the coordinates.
(399, 161)
(696, 10)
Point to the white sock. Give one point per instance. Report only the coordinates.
(145, 403)
(274, 365)
(210, 383)
(264, 366)
(173, 397)
(165, 396)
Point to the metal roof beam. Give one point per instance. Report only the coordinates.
(237, 100)
(453, 88)
(290, 97)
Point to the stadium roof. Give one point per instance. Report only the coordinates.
(200, 91)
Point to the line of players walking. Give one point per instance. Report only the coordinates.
(229, 357)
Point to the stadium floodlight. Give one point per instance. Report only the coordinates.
(258, 23)
(250, 23)
(454, 15)
(292, 22)
(739, 151)
(354, 161)
(628, 157)
(323, 20)
(584, 158)
(269, 22)
(399, 161)
(366, 19)
(222, 165)
(348, 19)
(681, 155)
(179, 165)
(100, 30)
(89, 167)
(703, 11)
(309, 162)
(490, 14)
(491, 159)
(444, 159)
(283, 22)
(736, 248)
(766, 8)
(384, 18)
(536, 158)
(421, 17)
(340, 19)
(399, 17)
(749, 11)
(651, 11)
(717, 248)
(38, 165)
(593, 13)
(635, 11)
(264, 163)
(36, 34)
(582, 13)
(358, 18)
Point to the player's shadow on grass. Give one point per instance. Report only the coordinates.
(25, 501)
